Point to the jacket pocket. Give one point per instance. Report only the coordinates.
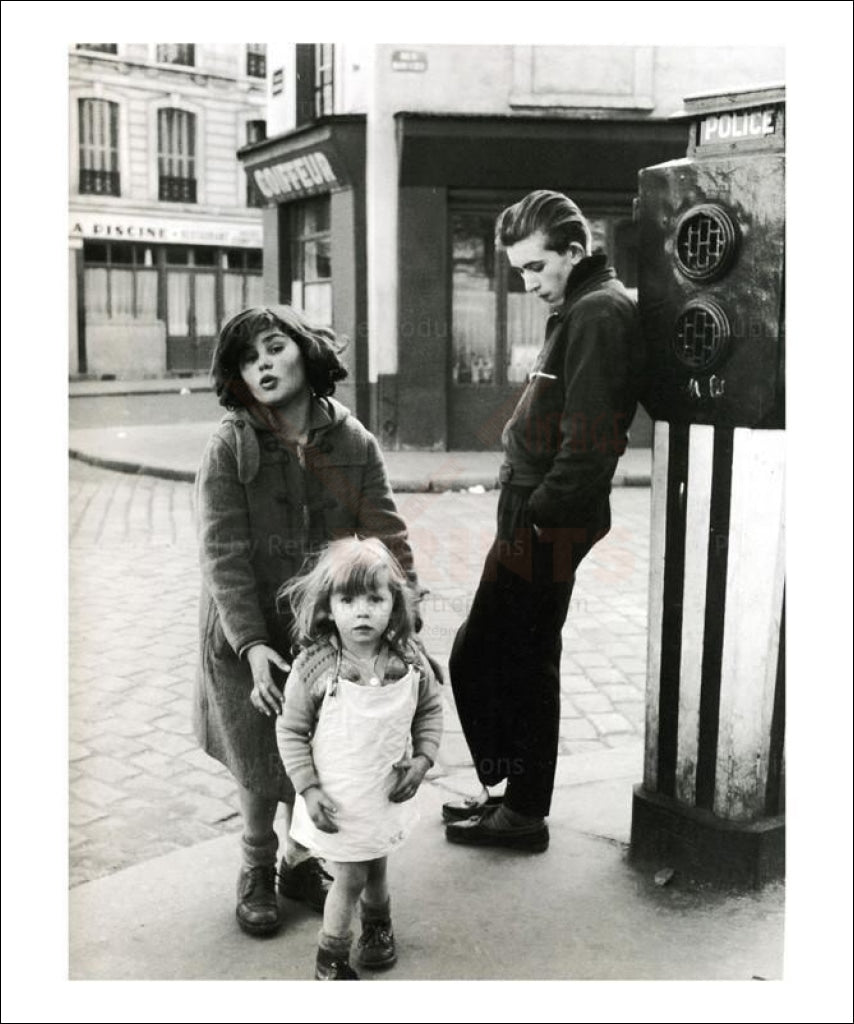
(216, 646)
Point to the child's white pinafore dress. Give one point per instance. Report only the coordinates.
(361, 732)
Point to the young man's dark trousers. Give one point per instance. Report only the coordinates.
(505, 662)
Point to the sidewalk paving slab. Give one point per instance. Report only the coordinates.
(578, 911)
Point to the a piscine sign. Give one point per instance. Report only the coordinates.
(125, 228)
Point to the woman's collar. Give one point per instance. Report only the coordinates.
(319, 418)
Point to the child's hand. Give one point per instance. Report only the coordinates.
(321, 809)
(413, 770)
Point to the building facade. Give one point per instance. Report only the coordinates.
(383, 172)
(165, 238)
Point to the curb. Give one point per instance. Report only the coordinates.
(404, 485)
(401, 486)
(133, 468)
(122, 389)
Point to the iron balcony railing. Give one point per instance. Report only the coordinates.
(177, 190)
(100, 183)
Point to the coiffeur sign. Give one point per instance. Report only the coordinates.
(296, 176)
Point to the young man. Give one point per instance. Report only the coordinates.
(561, 447)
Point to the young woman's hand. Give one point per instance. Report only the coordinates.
(321, 809)
(266, 697)
(412, 771)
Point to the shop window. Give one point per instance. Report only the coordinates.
(98, 135)
(120, 282)
(617, 237)
(123, 254)
(315, 86)
(204, 256)
(176, 155)
(242, 284)
(256, 60)
(95, 252)
(256, 131)
(177, 53)
(474, 298)
(496, 334)
(242, 259)
(311, 265)
(100, 47)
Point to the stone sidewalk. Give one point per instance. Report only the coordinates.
(140, 788)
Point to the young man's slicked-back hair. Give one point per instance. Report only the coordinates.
(553, 213)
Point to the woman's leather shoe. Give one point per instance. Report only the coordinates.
(257, 907)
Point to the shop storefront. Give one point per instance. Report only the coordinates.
(152, 292)
(465, 331)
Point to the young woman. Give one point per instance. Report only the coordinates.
(287, 470)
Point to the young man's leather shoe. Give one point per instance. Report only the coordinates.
(533, 838)
(308, 882)
(469, 807)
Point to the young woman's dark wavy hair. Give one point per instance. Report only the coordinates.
(320, 348)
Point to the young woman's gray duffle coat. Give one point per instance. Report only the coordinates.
(262, 507)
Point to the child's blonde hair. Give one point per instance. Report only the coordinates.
(351, 566)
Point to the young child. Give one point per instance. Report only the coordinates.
(360, 727)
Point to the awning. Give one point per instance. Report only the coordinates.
(533, 152)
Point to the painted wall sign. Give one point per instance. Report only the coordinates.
(408, 60)
(302, 175)
(740, 124)
(123, 228)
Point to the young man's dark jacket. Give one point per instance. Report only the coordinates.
(570, 425)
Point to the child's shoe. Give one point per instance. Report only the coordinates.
(376, 948)
(332, 966)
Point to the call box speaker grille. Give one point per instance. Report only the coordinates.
(706, 240)
(701, 336)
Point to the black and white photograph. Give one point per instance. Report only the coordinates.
(430, 419)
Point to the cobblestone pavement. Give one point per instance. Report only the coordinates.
(140, 787)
